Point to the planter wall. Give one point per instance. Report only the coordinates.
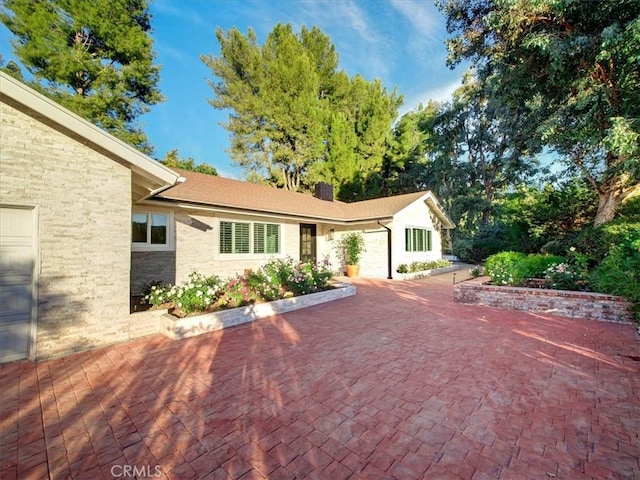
(564, 303)
(425, 273)
(177, 328)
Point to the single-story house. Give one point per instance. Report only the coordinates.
(87, 221)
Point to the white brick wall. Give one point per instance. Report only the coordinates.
(84, 202)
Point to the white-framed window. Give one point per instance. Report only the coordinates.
(417, 239)
(151, 231)
(247, 238)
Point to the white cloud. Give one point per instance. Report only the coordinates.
(421, 16)
(441, 93)
(170, 8)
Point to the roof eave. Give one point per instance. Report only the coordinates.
(161, 177)
(182, 203)
(433, 203)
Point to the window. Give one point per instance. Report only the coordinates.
(151, 231)
(417, 240)
(235, 237)
(266, 238)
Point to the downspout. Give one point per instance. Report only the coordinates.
(389, 267)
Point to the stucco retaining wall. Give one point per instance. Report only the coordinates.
(178, 328)
(564, 303)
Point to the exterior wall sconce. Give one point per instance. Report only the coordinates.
(330, 234)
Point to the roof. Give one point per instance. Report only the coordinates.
(225, 193)
(148, 175)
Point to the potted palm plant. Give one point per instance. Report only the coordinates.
(352, 246)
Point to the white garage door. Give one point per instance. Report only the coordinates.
(17, 259)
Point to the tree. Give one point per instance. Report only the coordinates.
(172, 159)
(95, 58)
(295, 119)
(573, 67)
(278, 120)
(474, 152)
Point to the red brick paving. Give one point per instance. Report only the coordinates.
(396, 382)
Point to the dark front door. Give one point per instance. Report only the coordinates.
(307, 242)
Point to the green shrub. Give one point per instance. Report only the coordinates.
(566, 276)
(535, 265)
(278, 278)
(402, 268)
(595, 242)
(463, 249)
(619, 272)
(430, 265)
(502, 267)
(196, 294)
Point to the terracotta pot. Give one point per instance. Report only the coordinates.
(353, 270)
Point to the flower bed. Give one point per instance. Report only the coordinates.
(277, 279)
(424, 269)
(564, 303)
(426, 273)
(178, 328)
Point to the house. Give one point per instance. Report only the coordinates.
(86, 221)
(221, 226)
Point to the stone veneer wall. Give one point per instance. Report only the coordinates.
(586, 305)
(84, 229)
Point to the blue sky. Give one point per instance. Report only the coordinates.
(401, 42)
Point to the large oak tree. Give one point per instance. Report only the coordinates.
(573, 67)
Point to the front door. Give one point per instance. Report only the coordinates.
(307, 242)
(17, 258)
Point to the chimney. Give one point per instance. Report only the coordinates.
(324, 191)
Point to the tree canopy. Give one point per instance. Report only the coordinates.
(295, 119)
(573, 67)
(95, 58)
(173, 159)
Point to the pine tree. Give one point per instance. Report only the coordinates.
(95, 58)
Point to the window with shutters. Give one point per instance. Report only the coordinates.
(242, 237)
(234, 237)
(266, 238)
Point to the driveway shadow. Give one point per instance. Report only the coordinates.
(396, 382)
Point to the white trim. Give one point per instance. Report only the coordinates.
(171, 235)
(255, 213)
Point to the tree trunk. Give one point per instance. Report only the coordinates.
(608, 202)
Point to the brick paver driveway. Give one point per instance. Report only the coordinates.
(397, 382)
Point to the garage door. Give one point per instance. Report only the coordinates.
(17, 259)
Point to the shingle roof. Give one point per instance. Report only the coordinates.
(223, 192)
